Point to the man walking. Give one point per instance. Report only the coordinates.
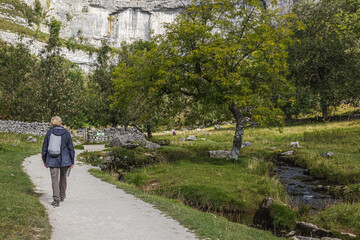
(58, 154)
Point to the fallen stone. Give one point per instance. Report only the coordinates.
(191, 138)
(262, 218)
(219, 154)
(294, 145)
(288, 153)
(152, 145)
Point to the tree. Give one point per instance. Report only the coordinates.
(325, 58)
(137, 89)
(16, 64)
(229, 55)
(60, 83)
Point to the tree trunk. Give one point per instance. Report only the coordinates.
(148, 128)
(324, 110)
(239, 132)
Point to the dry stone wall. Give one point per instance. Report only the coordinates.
(34, 128)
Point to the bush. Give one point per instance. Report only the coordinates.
(161, 141)
(93, 158)
(79, 147)
(284, 217)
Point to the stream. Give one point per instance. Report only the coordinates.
(299, 187)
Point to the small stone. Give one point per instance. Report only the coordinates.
(294, 145)
(288, 153)
(272, 148)
(246, 144)
(329, 154)
(290, 234)
(350, 235)
(182, 139)
(217, 127)
(203, 139)
(303, 238)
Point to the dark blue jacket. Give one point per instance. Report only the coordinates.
(67, 155)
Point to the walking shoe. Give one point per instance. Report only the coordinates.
(55, 204)
(62, 199)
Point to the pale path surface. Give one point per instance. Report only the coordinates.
(94, 209)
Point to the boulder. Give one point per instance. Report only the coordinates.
(123, 141)
(191, 138)
(262, 218)
(294, 145)
(152, 145)
(219, 154)
(305, 228)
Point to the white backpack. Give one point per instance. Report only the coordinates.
(54, 148)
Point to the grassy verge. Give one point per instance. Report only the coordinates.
(21, 214)
(205, 225)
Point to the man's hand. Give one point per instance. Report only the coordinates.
(45, 165)
(72, 166)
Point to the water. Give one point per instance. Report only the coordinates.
(299, 187)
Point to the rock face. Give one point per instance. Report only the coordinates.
(92, 22)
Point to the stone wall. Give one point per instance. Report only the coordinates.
(93, 136)
(106, 135)
(35, 128)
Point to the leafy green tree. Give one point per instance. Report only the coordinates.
(60, 83)
(325, 58)
(136, 88)
(16, 70)
(229, 56)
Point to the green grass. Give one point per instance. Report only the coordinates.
(21, 214)
(343, 217)
(205, 225)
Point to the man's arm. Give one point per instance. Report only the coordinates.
(44, 148)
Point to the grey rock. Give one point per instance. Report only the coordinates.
(182, 139)
(303, 238)
(123, 141)
(290, 234)
(262, 217)
(305, 228)
(349, 235)
(329, 238)
(203, 139)
(294, 145)
(219, 154)
(245, 144)
(272, 148)
(288, 153)
(191, 138)
(217, 127)
(31, 139)
(152, 145)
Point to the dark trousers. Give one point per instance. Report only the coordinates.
(58, 179)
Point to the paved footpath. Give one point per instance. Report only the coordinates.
(97, 210)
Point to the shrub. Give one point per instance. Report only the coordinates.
(284, 217)
(79, 147)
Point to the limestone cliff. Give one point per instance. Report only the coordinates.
(93, 21)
